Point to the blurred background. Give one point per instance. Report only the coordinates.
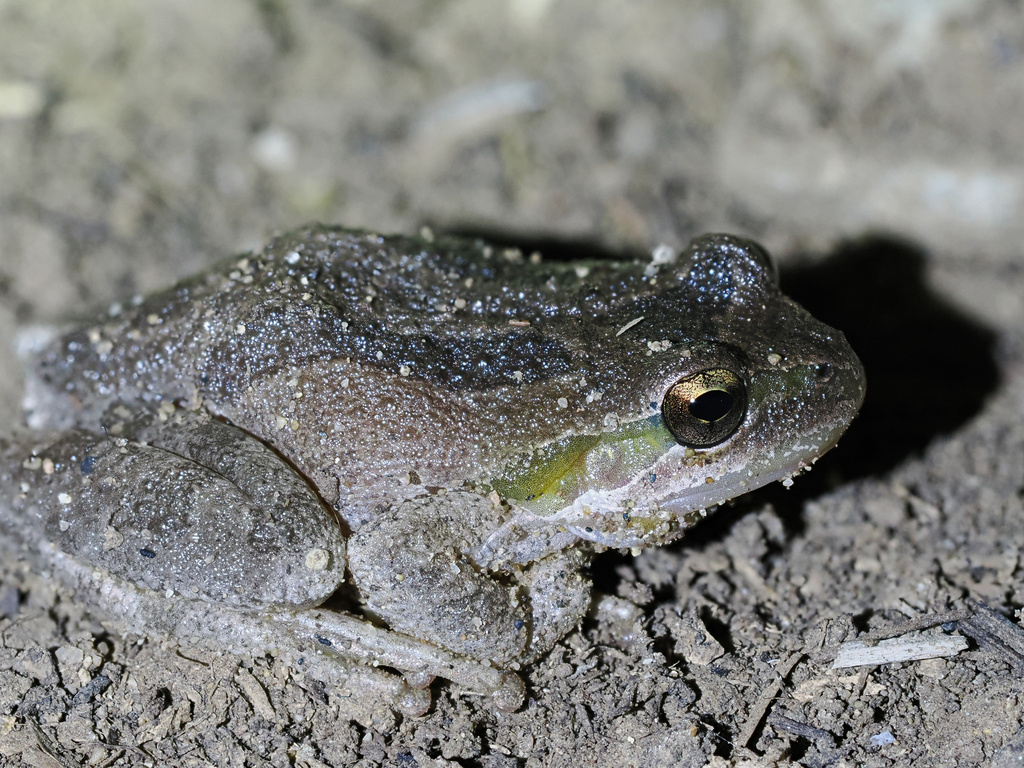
(139, 141)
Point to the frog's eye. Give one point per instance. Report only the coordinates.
(705, 408)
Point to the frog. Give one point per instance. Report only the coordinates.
(392, 459)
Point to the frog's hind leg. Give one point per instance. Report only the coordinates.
(338, 649)
(223, 629)
(212, 514)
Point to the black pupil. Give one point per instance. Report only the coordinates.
(712, 405)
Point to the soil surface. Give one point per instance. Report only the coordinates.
(876, 148)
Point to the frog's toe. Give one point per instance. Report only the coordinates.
(510, 695)
(414, 702)
(419, 679)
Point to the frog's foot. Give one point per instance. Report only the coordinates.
(325, 634)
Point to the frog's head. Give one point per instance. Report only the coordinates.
(725, 385)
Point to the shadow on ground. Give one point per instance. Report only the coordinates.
(929, 367)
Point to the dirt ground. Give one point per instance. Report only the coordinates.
(875, 147)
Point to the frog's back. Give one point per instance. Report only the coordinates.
(457, 313)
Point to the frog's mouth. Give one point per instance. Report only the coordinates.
(781, 464)
(642, 461)
(633, 515)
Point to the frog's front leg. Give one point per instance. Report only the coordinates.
(412, 565)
